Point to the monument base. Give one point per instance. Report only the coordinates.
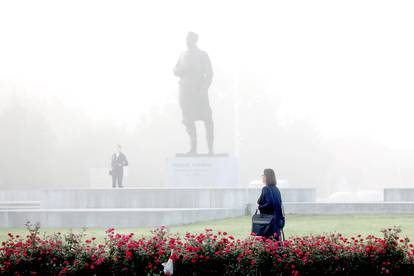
(202, 170)
(117, 217)
(132, 207)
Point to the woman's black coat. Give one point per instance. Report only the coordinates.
(270, 202)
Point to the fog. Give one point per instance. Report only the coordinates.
(321, 91)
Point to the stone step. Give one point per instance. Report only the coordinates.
(115, 217)
(144, 198)
(163, 197)
(152, 197)
(19, 205)
(317, 208)
(20, 195)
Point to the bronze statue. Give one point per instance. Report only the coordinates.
(196, 74)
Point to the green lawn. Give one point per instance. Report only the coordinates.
(295, 225)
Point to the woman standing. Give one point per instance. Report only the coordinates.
(270, 203)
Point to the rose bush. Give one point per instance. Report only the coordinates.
(208, 253)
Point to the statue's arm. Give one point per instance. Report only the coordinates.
(208, 72)
(178, 69)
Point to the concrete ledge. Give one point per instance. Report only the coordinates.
(313, 208)
(288, 194)
(131, 207)
(145, 198)
(163, 197)
(114, 217)
(19, 205)
(399, 194)
(20, 195)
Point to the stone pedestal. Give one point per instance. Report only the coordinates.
(199, 170)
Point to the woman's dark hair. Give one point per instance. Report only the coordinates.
(270, 177)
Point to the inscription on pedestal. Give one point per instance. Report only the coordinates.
(202, 170)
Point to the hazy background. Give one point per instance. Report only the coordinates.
(319, 90)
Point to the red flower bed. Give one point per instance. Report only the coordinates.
(208, 253)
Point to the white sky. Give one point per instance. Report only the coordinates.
(347, 65)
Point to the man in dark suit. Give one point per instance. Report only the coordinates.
(118, 162)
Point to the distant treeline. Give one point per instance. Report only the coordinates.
(48, 145)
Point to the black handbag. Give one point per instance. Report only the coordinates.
(261, 223)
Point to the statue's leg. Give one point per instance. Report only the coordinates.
(113, 179)
(210, 135)
(192, 133)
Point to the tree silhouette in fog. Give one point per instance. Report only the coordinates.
(27, 144)
(47, 145)
(293, 149)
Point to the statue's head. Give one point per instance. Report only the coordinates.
(192, 39)
(118, 148)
